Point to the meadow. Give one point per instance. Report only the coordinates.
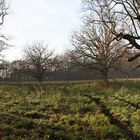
(70, 111)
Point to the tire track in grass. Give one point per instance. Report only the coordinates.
(134, 105)
(124, 126)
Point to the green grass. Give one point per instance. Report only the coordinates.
(60, 111)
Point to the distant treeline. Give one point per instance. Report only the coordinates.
(66, 71)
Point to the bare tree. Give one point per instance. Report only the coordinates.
(95, 48)
(115, 14)
(38, 60)
(3, 12)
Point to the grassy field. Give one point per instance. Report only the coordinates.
(70, 111)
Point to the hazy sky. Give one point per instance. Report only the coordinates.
(49, 20)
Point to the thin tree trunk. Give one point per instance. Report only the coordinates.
(105, 75)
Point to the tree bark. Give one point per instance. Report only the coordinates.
(104, 72)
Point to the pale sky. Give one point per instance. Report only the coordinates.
(51, 21)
